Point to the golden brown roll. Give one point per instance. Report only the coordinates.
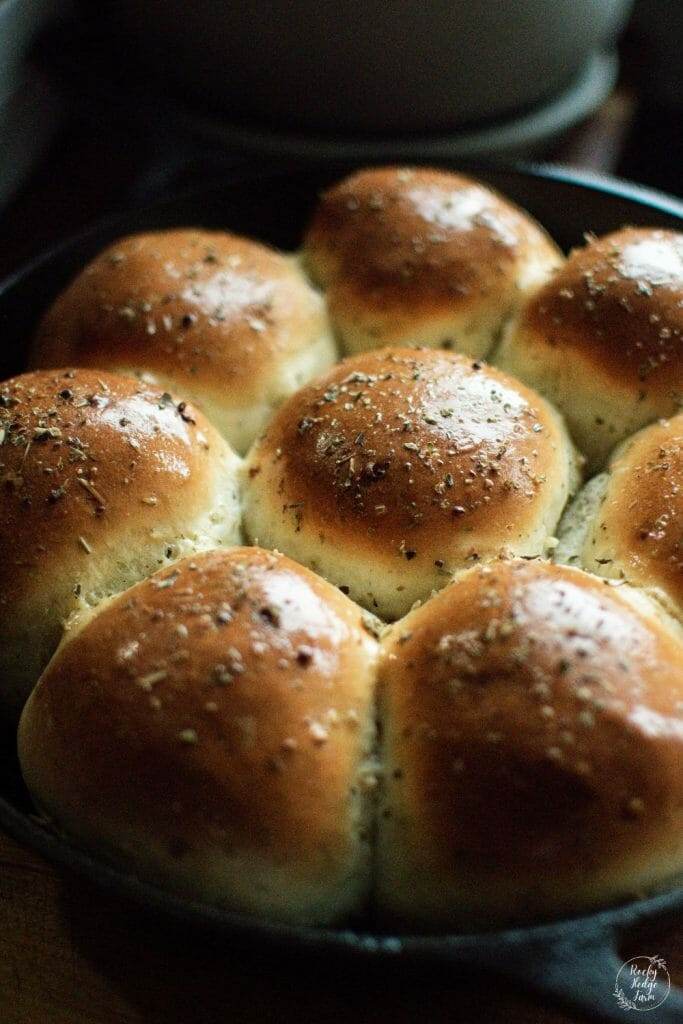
(423, 257)
(211, 729)
(399, 468)
(603, 338)
(627, 523)
(533, 741)
(222, 320)
(102, 480)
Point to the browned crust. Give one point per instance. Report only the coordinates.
(418, 240)
(536, 726)
(205, 310)
(639, 522)
(618, 303)
(85, 457)
(218, 705)
(411, 454)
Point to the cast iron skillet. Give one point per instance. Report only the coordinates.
(572, 961)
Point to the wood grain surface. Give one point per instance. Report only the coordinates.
(70, 954)
(73, 954)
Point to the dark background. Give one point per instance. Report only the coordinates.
(101, 161)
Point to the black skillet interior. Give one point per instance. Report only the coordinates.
(574, 961)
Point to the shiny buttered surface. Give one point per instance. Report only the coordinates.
(221, 319)
(399, 468)
(532, 748)
(214, 726)
(102, 480)
(240, 727)
(627, 523)
(413, 256)
(603, 339)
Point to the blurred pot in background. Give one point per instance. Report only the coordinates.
(658, 26)
(30, 108)
(368, 65)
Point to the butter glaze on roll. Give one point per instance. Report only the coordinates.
(399, 468)
(232, 727)
(102, 480)
(604, 338)
(223, 320)
(627, 523)
(212, 729)
(533, 742)
(423, 257)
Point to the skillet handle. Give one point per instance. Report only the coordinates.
(579, 971)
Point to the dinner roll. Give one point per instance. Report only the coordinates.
(102, 479)
(212, 730)
(533, 739)
(414, 256)
(399, 468)
(603, 338)
(626, 523)
(223, 320)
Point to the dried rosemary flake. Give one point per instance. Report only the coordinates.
(371, 624)
(167, 581)
(43, 433)
(56, 493)
(92, 490)
(146, 682)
